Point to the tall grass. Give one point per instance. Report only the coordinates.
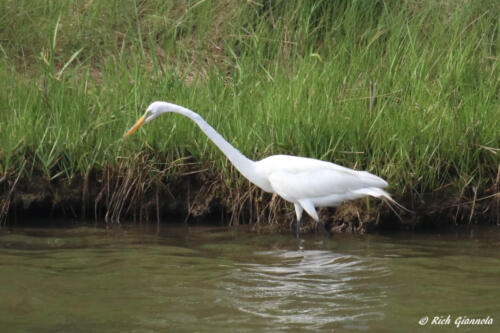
(408, 90)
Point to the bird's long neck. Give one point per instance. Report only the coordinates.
(243, 164)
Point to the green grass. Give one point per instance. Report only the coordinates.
(292, 78)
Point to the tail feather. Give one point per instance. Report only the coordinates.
(380, 193)
(371, 180)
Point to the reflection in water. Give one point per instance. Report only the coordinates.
(215, 280)
(310, 287)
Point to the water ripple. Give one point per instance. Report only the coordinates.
(310, 287)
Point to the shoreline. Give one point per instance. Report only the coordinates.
(124, 196)
(365, 85)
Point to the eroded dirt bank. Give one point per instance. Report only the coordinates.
(129, 195)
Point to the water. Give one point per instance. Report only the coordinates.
(180, 279)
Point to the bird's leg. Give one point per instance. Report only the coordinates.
(298, 212)
(323, 230)
(309, 208)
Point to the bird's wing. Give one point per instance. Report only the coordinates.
(307, 167)
(310, 184)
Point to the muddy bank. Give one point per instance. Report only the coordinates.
(124, 195)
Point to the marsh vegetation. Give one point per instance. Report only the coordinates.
(407, 90)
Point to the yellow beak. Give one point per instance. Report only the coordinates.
(134, 128)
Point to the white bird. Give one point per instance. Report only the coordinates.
(306, 182)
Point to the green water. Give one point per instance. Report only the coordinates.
(180, 279)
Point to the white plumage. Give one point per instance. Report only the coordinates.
(306, 182)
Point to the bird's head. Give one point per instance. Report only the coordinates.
(153, 111)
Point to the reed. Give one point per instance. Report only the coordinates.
(408, 90)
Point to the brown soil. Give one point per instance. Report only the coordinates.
(130, 194)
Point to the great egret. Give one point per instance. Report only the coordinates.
(306, 182)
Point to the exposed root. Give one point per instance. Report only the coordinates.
(140, 191)
(7, 199)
